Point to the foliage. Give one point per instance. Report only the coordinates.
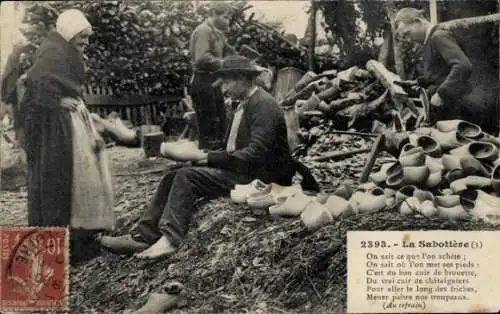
(340, 22)
(142, 46)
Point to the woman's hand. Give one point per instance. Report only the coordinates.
(70, 103)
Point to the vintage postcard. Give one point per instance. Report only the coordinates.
(302, 156)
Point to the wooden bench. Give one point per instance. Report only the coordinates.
(140, 108)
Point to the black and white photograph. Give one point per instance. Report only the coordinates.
(305, 156)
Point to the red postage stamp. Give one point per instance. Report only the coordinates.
(34, 266)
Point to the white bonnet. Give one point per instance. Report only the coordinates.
(70, 23)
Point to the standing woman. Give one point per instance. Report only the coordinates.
(69, 182)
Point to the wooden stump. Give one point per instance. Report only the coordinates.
(151, 143)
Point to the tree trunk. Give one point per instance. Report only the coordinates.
(386, 53)
(398, 53)
(312, 39)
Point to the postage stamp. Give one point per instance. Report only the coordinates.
(34, 269)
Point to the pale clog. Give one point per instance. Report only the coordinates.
(405, 192)
(451, 162)
(423, 195)
(448, 140)
(434, 164)
(464, 128)
(394, 169)
(173, 297)
(412, 156)
(292, 205)
(428, 209)
(396, 180)
(434, 179)
(454, 212)
(262, 199)
(486, 206)
(490, 139)
(447, 200)
(183, 150)
(483, 151)
(463, 184)
(241, 193)
(495, 178)
(380, 176)
(337, 206)
(430, 146)
(455, 174)
(345, 190)
(410, 206)
(447, 125)
(315, 216)
(417, 175)
(369, 201)
(472, 166)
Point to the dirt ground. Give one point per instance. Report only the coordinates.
(233, 260)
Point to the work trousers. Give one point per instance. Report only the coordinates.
(172, 207)
(208, 102)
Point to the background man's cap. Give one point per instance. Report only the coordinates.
(220, 7)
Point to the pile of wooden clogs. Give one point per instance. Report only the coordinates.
(451, 170)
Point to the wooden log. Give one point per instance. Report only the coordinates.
(312, 42)
(339, 155)
(470, 21)
(364, 109)
(314, 87)
(332, 91)
(339, 104)
(386, 53)
(354, 133)
(433, 11)
(376, 148)
(387, 79)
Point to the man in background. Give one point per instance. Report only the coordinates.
(448, 72)
(208, 45)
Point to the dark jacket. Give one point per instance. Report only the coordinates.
(447, 69)
(208, 46)
(261, 145)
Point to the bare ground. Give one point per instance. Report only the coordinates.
(233, 260)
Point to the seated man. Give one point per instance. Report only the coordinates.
(447, 71)
(256, 148)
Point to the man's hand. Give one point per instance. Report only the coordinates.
(200, 156)
(70, 103)
(436, 100)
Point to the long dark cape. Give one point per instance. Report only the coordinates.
(58, 72)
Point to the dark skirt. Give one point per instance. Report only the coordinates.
(49, 150)
(210, 109)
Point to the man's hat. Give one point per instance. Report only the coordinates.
(236, 65)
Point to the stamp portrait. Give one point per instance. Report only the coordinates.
(34, 268)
